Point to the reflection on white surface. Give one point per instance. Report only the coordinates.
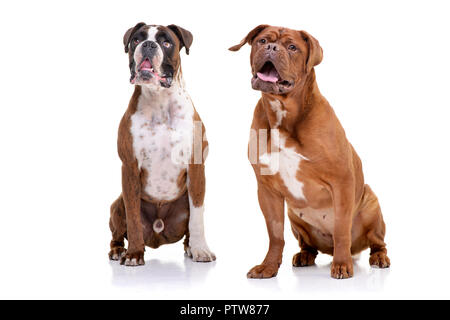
(316, 278)
(159, 273)
(315, 281)
(166, 274)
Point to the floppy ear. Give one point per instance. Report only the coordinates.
(185, 36)
(315, 50)
(249, 38)
(127, 36)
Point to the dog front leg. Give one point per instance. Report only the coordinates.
(197, 247)
(343, 200)
(272, 206)
(131, 191)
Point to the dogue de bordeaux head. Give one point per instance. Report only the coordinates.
(281, 58)
(154, 53)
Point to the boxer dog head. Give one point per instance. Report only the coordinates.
(154, 53)
(281, 58)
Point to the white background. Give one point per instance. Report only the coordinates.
(64, 88)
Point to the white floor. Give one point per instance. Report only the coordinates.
(169, 275)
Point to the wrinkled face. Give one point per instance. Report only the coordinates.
(278, 60)
(154, 55)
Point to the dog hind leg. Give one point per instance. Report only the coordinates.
(118, 226)
(307, 255)
(376, 229)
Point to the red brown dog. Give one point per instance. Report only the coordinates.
(309, 164)
(163, 148)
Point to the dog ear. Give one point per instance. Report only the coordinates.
(185, 36)
(249, 38)
(127, 36)
(315, 50)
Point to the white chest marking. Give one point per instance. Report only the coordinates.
(276, 107)
(286, 162)
(162, 129)
(322, 219)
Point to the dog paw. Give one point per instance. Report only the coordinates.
(379, 260)
(263, 271)
(200, 254)
(117, 253)
(133, 259)
(303, 259)
(342, 270)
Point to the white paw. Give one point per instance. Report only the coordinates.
(133, 262)
(117, 253)
(117, 256)
(200, 253)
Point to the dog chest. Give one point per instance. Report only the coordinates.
(162, 131)
(284, 164)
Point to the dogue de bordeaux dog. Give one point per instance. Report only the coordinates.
(307, 162)
(162, 146)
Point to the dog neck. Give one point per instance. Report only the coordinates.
(287, 111)
(163, 105)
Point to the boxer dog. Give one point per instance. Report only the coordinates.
(302, 158)
(162, 146)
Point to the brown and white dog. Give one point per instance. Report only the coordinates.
(309, 165)
(162, 146)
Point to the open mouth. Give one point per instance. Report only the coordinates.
(269, 74)
(146, 65)
(147, 72)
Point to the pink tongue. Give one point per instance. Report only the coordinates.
(272, 76)
(146, 65)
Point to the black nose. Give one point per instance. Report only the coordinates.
(149, 48)
(149, 44)
(272, 46)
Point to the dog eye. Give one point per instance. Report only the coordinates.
(262, 41)
(167, 44)
(136, 41)
(292, 47)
